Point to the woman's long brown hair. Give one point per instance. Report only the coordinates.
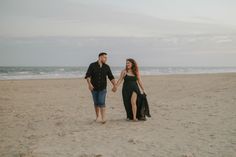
(134, 67)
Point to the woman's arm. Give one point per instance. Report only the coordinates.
(122, 75)
(140, 82)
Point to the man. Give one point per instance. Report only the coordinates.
(96, 76)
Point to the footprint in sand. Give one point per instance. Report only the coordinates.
(58, 123)
(91, 155)
(188, 155)
(28, 154)
(134, 141)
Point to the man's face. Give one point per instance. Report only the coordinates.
(103, 58)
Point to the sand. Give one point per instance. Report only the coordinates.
(192, 116)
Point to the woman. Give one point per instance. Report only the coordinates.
(130, 90)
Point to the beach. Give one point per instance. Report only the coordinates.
(193, 115)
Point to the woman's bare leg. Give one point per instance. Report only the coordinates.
(134, 105)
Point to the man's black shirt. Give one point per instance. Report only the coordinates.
(99, 75)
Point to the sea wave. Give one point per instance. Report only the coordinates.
(19, 73)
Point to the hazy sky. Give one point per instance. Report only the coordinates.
(154, 32)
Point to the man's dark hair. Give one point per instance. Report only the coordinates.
(102, 53)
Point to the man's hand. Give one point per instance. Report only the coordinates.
(91, 87)
(114, 89)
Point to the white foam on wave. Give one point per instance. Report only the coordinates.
(116, 71)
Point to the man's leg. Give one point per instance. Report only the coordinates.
(95, 100)
(102, 98)
(103, 113)
(97, 112)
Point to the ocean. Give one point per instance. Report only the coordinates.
(19, 73)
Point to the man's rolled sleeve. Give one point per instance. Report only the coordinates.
(89, 72)
(110, 75)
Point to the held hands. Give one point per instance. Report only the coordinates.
(114, 89)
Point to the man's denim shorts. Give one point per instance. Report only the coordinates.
(99, 97)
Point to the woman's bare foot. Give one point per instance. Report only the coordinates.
(128, 119)
(104, 121)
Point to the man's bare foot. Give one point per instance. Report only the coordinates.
(96, 120)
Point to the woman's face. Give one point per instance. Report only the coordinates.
(128, 64)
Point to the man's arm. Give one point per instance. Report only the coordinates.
(113, 81)
(89, 84)
(88, 77)
(111, 77)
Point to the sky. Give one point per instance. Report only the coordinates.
(154, 32)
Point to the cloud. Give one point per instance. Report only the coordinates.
(165, 50)
(72, 32)
(72, 18)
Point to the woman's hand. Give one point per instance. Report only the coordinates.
(143, 91)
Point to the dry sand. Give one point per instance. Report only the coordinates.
(192, 116)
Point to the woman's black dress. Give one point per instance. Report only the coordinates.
(129, 86)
